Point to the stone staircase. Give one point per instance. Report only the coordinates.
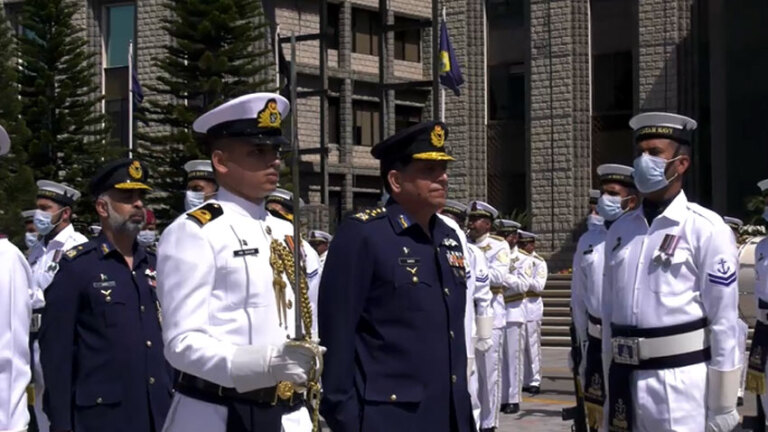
(557, 313)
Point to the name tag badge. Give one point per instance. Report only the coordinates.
(246, 252)
(106, 284)
(409, 261)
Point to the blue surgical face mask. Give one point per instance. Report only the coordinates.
(146, 237)
(595, 221)
(609, 207)
(650, 173)
(30, 239)
(765, 213)
(193, 199)
(42, 221)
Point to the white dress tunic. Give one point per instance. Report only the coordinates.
(215, 284)
(648, 284)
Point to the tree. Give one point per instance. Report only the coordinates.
(214, 55)
(60, 97)
(17, 186)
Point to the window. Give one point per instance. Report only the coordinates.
(506, 92)
(406, 116)
(334, 12)
(365, 28)
(612, 82)
(119, 23)
(120, 31)
(407, 42)
(366, 123)
(334, 125)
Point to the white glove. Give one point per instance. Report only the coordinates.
(255, 367)
(484, 332)
(723, 422)
(483, 344)
(722, 387)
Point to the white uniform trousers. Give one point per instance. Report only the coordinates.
(741, 352)
(668, 400)
(532, 369)
(188, 414)
(512, 372)
(489, 370)
(42, 419)
(473, 387)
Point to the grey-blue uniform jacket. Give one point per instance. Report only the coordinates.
(391, 313)
(101, 343)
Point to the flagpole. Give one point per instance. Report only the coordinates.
(277, 58)
(130, 99)
(442, 88)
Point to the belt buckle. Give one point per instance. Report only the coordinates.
(626, 350)
(37, 321)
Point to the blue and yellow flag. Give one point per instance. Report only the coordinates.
(450, 71)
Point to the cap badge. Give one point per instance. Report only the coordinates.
(135, 170)
(437, 137)
(269, 116)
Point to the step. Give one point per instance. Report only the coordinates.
(556, 293)
(556, 302)
(557, 311)
(558, 341)
(550, 320)
(555, 331)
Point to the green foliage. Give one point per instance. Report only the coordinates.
(755, 205)
(524, 218)
(212, 58)
(68, 138)
(17, 186)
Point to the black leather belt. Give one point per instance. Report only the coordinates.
(198, 388)
(594, 320)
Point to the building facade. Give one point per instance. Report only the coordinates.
(550, 86)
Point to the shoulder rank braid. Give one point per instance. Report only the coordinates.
(370, 214)
(206, 213)
(281, 261)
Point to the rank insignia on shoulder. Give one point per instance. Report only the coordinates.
(369, 214)
(77, 250)
(450, 242)
(206, 213)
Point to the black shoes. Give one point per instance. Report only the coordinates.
(511, 408)
(533, 390)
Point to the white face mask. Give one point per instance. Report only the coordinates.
(146, 237)
(193, 199)
(650, 173)
(31, 239)
(42, 221)
(609, 207)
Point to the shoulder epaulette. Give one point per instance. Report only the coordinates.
(206, 213)
(79, 250)
(495, 237)
(370, 214)
(537, 256)
(523, 252)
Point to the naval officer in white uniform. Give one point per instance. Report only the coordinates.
(56, 235)
(496, 250)
(670, 295)
(15, 314)
(222, 280)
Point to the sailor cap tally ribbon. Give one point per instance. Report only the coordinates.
(57, 192)
(652, 125)
(610, 173)
(199, 169)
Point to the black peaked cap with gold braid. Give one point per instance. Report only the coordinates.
(424, 141)
(120, 174)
